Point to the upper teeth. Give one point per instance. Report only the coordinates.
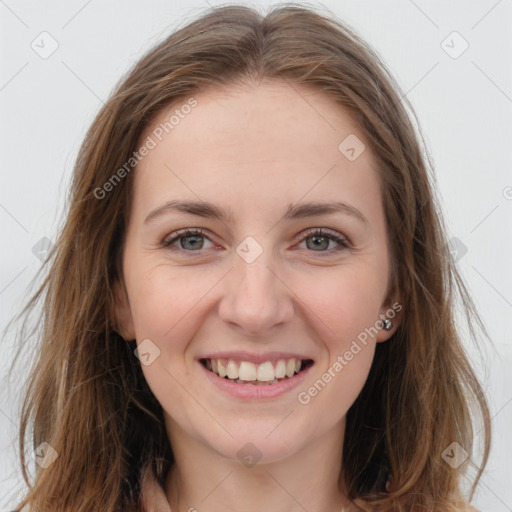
(245, 370)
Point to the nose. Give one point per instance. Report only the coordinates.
(256, 298)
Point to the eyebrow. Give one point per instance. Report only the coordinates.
(294, 211)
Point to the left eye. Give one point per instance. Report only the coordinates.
(322, 237)
(191, 240)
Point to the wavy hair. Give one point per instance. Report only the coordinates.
(86, 395)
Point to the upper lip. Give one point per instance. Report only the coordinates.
(254, 358)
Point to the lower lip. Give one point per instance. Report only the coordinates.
(256, 391)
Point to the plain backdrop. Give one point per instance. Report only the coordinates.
(452, 59)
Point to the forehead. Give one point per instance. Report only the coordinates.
(271, 142)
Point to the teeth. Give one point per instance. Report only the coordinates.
(232, 370)
(281, 369)
(290, 367)
(221, 368)
(246, 371)
(265, 372)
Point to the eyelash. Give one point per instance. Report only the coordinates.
(319, 232)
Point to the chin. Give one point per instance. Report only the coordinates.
(260, 442)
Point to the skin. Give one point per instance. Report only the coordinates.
(256, 149)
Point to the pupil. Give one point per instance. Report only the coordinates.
(194, 243)
(317, 241)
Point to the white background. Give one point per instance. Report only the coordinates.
(464, 106)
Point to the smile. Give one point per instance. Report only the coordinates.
(249, 373)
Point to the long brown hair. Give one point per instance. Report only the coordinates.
(86, 395)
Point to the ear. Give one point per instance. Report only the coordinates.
(392, 309)
(123, 321)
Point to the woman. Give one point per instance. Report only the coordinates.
(250, 304)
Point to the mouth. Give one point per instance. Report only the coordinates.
(248, 373)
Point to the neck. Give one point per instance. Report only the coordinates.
(309, 479)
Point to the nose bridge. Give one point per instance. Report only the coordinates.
(252, 264)
(255, 277)
(255, 298)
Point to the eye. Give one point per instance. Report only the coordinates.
(321, 238)
(193, 240)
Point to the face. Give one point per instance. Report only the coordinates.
(265, 287)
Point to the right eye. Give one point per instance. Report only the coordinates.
(195, 241)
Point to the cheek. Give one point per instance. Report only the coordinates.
(163, 304)
(345, 300)
(343, 305)
(337, 386)
(346, 308)
(163, 299)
